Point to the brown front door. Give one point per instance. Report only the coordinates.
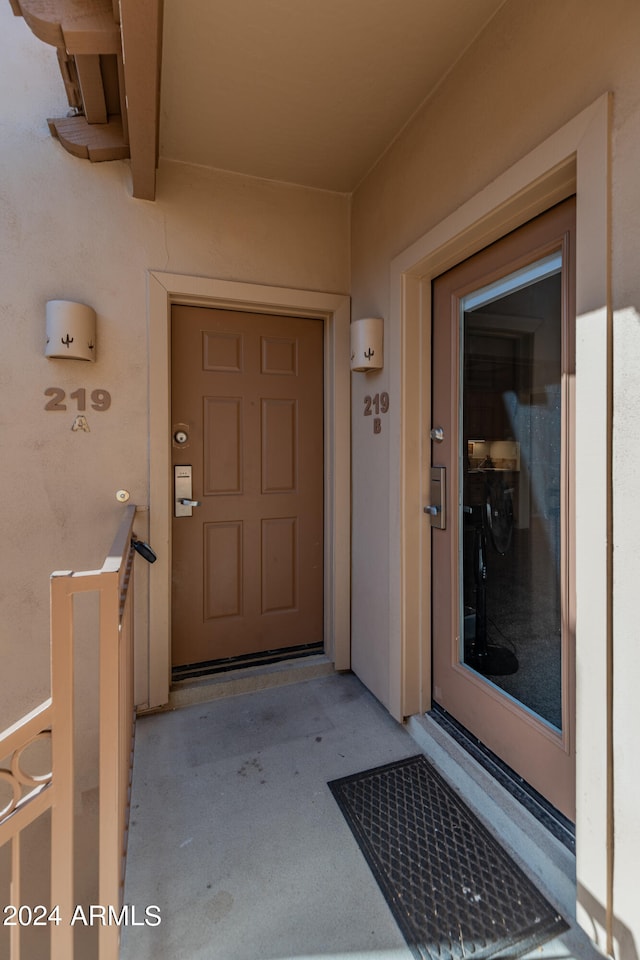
(247, 417)
(503, 607)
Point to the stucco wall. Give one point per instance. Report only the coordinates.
(534, 68)
(71, 230)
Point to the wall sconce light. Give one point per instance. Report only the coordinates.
(71, 331)
(366, 344)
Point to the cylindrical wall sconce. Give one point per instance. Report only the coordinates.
(71, 331)
(366, 344)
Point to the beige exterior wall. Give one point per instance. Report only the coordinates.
(535, 68)
(70, 230)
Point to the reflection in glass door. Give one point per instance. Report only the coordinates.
(502, 581)
(510, 485)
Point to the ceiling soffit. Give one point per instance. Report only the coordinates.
(288, 90)
(304, 91)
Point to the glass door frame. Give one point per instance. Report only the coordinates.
(544, 756)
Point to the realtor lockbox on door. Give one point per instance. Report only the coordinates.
(183, 491)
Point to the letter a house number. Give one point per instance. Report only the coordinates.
(376, 405)
(98, 400)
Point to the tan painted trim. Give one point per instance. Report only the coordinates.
(92, 88)
(575, 158)
(141, 22)
(132, 31)
(165, 289)
(76, 28)
(95, 142)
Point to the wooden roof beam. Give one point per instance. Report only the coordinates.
(141, 25)
(88, 27)
(109, 53)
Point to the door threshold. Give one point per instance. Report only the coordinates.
(193, 671)
(551, 818)
(543, 856)
(246, 678)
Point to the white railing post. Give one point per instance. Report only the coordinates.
(109, 841)
(62, 764)
(14, 895)
(34, 795)
(116, 717)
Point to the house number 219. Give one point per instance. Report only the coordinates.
(377, 404)
(100, 399)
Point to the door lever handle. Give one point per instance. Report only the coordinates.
(183, 490)
(437, 510)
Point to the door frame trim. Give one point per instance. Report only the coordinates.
(166, 289)
(575, 159)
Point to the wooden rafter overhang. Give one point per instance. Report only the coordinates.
(109, 55)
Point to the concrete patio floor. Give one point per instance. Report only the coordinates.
(237, 840)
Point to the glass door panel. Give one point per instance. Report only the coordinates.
(502, 583)
(510, 485)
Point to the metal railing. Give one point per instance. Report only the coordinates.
(31, 796)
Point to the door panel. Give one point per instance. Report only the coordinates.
(503, 621)
(247, 391)
(222, 446)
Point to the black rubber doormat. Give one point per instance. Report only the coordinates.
(454, 892)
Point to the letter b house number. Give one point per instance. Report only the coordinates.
(377, 404)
